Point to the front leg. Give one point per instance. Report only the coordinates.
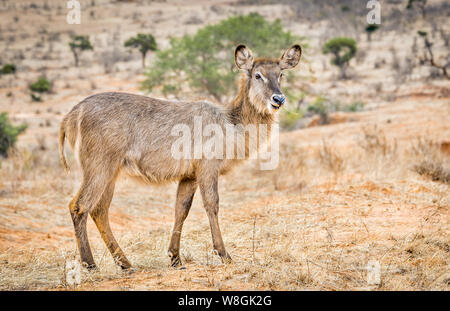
(210, 195)
(185, 195)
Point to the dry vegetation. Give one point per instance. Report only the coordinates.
(372, 185)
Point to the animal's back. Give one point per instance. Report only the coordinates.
(137, 130)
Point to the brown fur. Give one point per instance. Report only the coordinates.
(118, 132)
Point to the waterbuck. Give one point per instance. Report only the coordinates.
(114, 132)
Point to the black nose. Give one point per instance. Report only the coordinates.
(278, 99)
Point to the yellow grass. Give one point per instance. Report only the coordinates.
(303, 226)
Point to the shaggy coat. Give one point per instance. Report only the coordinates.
(113, 132)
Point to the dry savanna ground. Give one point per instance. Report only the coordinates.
(370, 186)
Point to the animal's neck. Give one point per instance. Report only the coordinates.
(242, 111)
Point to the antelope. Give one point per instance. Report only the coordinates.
(112, 133)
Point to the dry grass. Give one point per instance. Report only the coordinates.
(314, 236)
(331, 159)
(436, 171)
(431, 160)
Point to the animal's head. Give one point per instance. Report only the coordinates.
(265, 75)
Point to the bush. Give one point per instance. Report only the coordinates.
(8, 69)
(205, 61)
(354, 107)
(320, 107)
(289, 118)
(42, 85)
(8, 134)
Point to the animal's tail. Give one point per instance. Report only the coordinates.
(62, 137)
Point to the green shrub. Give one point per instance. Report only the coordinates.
(205, 60)
(289, 118)
(354, 107)
(8, 69)
(8, 134)
(42, 85)
(170, 89)
(321, 108)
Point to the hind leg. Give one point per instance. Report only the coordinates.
(79, 215)
(95, 181)
(100, 216)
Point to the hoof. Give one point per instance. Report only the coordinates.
(178, 267)
(175, 262)
(129, 270)
(125, 266)
(123, 263)
(226, 259)
(90, 267)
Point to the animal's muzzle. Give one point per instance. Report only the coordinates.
(278, 100)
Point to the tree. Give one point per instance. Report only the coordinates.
(428, 55)
(204, 61)
(78, 45)
(343, 49)
(8, 134)
(143, 42)
(421, 4)
(370, 29)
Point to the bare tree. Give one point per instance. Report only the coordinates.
(428, 56)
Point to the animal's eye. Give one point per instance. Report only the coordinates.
(257, 76)
(281, 75)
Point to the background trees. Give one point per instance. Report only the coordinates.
(205, 61)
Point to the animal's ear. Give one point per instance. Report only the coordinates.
(291, 57)
(243, 57)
